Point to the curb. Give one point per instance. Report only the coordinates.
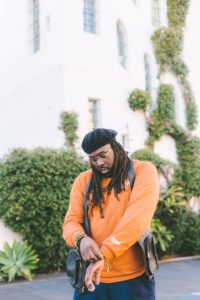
(177, 259)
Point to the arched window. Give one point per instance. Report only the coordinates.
(148, 74)
(156, 13)
(89, 16)
(35, 25)
(121, 43)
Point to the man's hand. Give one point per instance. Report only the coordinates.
(93, 272)
(90, 250)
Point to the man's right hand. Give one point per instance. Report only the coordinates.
(90, 250)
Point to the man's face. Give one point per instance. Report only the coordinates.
(102, 159)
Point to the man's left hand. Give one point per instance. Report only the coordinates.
(93, 273)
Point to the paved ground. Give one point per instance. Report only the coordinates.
(175, 281)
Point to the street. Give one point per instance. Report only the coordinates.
(175, 281)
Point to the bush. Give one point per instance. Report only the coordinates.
(35, 187)
(139, 100)
(191, 241)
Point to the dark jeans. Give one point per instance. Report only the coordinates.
(140, 288)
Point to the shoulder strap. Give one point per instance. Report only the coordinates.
(131, 175)
(85, 209)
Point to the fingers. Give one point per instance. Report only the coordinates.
(88, 279)
(97, 277)
(93, 272)
(91, 252)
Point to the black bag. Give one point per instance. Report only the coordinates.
(76, 269)
(148, 245)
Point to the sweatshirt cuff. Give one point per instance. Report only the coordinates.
(107, 253)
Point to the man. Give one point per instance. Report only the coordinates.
(118, 217)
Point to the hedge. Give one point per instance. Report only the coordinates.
(35, 187)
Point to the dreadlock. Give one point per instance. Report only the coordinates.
(120, 172)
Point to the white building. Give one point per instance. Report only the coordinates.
(84, 56)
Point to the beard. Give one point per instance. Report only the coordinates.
(107, 174)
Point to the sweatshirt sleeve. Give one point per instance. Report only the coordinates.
(74, 217)
(138, 214)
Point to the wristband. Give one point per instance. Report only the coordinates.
(78, 238)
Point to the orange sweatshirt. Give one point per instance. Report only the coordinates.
(125, 220)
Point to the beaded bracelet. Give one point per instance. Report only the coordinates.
(78, 238)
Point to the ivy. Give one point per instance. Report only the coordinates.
(139, 100)
(177, 12)
(188, 149)
(69, 125)
(163, 117)
(168, 45)
(164, 166)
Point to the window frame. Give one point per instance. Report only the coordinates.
(121, 44)
(89, 16)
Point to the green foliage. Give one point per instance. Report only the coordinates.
(35, 187)
(188, 150)
(167, 44)
(164, 167)
(17, 261)
(166, 101)
(163, 117)
(191, 241)
(162, 234)
(139, 100)
(180, 68)
(69, 125)
(191, 110)
(177, 11)
(170, 212)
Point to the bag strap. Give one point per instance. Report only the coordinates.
(86, 224)
(85, 209)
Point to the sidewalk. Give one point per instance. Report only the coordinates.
(179, 280)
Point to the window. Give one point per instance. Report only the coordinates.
(35, 25)
(121, 43)
(148, 75)
(125, 141)
(94, 113)
(155, 13)
(89, 16)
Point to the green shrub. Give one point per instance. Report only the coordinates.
(162, 234)
(171, 213)
(191, 241)
(139, 100)
(35, 187)
(17, 261)
(69, 125)
(168, 46)
(189, 157)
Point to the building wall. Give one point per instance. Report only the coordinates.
(73, 66)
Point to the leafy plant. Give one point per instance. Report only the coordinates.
(35, 187)
(139, 100)
(17, 260)
(69, 125)
(162, 234)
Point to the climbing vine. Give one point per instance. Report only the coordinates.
(69, 125)
(168, 46)
(139, 100)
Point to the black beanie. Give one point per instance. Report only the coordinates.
(97, 138)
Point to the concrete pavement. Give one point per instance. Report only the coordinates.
(175, 281)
